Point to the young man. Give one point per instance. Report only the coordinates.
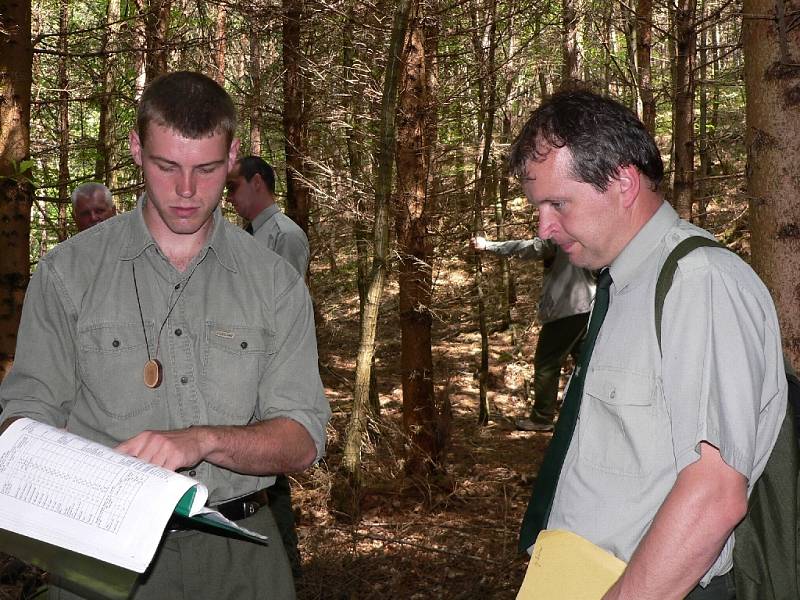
(251, 190)
(91, 204)
(566, 299)
(668, 442)
(175, 337)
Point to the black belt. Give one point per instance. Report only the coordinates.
(233, 510)
(241, 508)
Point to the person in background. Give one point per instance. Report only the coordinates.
(664, 442)
(219, 381)
(251, 190)
(564, 305)
(91, 204)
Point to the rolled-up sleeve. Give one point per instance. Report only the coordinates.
(291, 385)
(42, 384)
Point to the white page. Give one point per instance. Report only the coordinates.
(65, 490)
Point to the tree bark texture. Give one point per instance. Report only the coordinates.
(16, 192)
(156, 26)
(104, 170)
(298, 194)
(571, 40)
(357, 426)
(63, 119)
(686, 41)
(644, 45)
(772, 83)
(486, 114)
(413, 203)
(255, 94)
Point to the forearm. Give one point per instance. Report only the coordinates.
(265, 448)
(268, 447)
(533, 249)
(688, 532)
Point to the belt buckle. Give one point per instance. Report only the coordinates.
(249, 508)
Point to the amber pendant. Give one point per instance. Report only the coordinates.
(153, 373)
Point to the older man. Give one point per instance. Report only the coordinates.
(91, 204)
(668, 440)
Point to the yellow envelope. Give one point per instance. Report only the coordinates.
(565, 566)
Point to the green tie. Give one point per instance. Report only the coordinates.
(544, 489)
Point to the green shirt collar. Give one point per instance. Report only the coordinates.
(139, 239)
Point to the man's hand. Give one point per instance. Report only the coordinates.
(478, 244)
(172, 450)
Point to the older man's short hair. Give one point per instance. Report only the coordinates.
(88, 190)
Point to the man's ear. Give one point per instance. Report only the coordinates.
(136, 147)
(233, 152)
(629, 182)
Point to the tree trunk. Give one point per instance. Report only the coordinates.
(487, 113)
(683, 131)
(156, 25)
(703, 147)
(358, 199)
(644, 45)
(772, 83)
(294, 125)
(413, 203)
(356, 428)
(103, 170)
(571, 41)
(219, 45)
(255, 94)
(16, 191)
(63, 119)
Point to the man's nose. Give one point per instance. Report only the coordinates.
(186, 185)
(546, 224)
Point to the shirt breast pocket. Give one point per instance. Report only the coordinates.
(618, 432)
(234, 361)
(111, 361)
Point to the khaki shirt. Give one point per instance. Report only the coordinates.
(239, 345)
(283, 236)
(642, 418)
(567, 290)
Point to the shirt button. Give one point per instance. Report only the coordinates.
(613, 393)
(177, 286)
(243, 345)
(178, 332)
(184, 380)
(115, 343)
(192, 473)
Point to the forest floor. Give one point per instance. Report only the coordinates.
(454, 537)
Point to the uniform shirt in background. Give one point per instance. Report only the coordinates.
(283, 236)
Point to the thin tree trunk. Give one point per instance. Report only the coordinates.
(219, 43)
(572, 42)
(255, 94)
(703, 148)
(355, 143)
(356, 428)
(683, 132)
(16, 191)
(156, 26)
(644, 45)
(772, 81)
(63, 119)
(487, 111)
(416, 131)
(294, 126)
(103, 170)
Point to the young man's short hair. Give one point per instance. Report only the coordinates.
(601, 134)
(190, 103)
(250, 165)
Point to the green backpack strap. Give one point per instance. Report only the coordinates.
(667, 272)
